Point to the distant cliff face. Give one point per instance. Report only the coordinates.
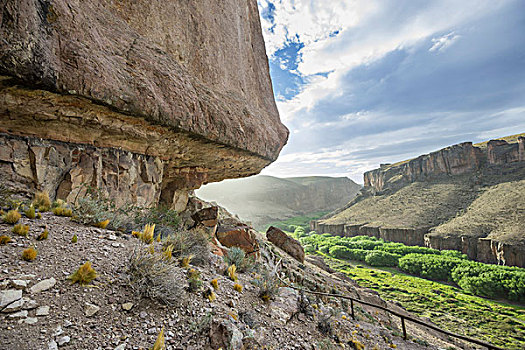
(459, 159)
(465, 197)
(181, 85)
(265, 199)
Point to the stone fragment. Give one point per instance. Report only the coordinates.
(18, 315)
(4, 284)
(8, 296)
(43, 285)
(112, 237)
(286, 243)
(319, 262)
(52, 345)
(121, 347)
(59, 331)
(63, 340)
(91, 309)
(19, 284)
(14, 306)
(127, 306)
(42, 311)
(29, 303)
(241, 236)
(224, 334)
(31, 320)
(207, 217)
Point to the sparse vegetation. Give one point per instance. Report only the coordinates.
(150, 276)
(4, 239)
(215, 283)
(236, 256)
(232, 272)
(194, 280)
(146, 235)
(192, 244)
(30, 212)
(42, 201)
(11, 217)
(160, 343)
(29, 254)
(63, 211)
(102, 224)
(237, 287)
(268, 283)
(43, 236)
(74, 239)
(21, 230)
(84, 275)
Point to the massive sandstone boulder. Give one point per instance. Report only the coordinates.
(143, 99)
(286, 243)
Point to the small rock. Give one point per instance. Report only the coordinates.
(121, 347)
(58, 332)
(52, 345)
(8, 296)
(18, 315)
(152, 330)
(43, 285)
(91, 309)
(19, 284)
(127, 306)
(112, 237)
(115, 244)
(63, 340)
(4, 284)
(42, 311)
(29, 304)
(31, 320)
(16, 306)
(143, 314)
(67, 323)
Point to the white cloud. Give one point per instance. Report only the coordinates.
(440, 44)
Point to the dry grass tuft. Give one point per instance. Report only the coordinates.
(42, 201)
(232, 272)
(84, 275)
(160, 343)
(187, 243)
(194, 280)
(210, 295)
(29, 254)
(12, 217)
(43, 235)
(150, 276)
(185, 262)
(30, 213)
(237, 287)
(4, 239)
(146, 235)
(167, 253)
(61, 211)
(102, 224)
(21, 230)
(74, 239)
(215, 283)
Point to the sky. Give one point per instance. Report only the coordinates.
(365, 82)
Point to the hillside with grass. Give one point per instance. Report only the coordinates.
(264, 199)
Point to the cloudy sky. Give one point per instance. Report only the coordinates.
(364, 82)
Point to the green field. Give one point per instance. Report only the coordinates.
(298, 221)
(447, 306)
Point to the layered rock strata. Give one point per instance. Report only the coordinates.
(181, 91)
(493, 234)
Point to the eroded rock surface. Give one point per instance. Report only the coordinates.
(181, 89)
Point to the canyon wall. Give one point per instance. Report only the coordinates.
(183, 86)
(464, 197)
(458, 159)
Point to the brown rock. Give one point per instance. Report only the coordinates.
(286, 243)
(207, 216)
(319, 262)
(153, 99)
(241, 236)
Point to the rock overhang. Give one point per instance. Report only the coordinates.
(181, 83)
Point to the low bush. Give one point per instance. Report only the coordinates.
(43, 236)
(236, 256)
(4, 239)
(21, 230)
(30, 212)
(42, 201)
(150, 276)
(401, 249)
(188, 243)
(380, 258)
(268, 283)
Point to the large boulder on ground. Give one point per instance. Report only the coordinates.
(142, 99)
(286, 243)
(242, 236)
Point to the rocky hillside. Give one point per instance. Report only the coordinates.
(264, 199)
(465, 197)
(143, 287)
(141, 99)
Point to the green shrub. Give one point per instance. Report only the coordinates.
(434, 267)
(309, 248)
(380, 258)
(401, 249)
(237, 257)
(454, 254)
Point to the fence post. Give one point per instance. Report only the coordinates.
(352, 307)
(404, 328)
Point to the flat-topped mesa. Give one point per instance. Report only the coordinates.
(143, 99)
(458, 159)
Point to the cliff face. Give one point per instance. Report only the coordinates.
(184, 86)
(265, 199)
(464, 197)
(463, 158)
